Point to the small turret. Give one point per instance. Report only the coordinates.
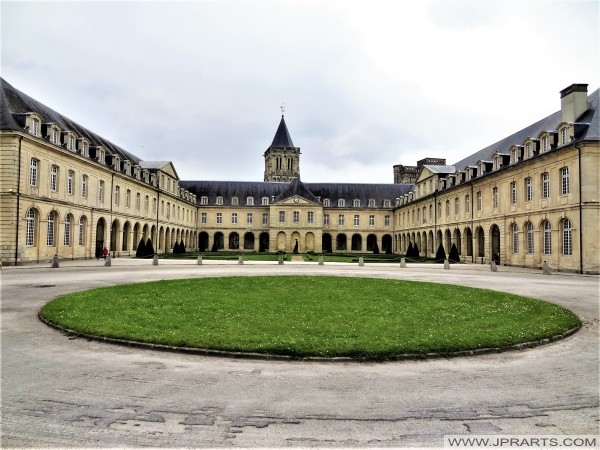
(282, 159)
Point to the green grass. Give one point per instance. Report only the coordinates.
(366, 318)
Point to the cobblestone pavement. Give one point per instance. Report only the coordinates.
(63, 392)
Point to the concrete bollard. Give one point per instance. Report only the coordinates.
(361, 261)
(108, 261)
(280, 260)
(546, 269)
(402, 263)
(199, 260)
(55, 264)
(155, 260)
(321, 260)
(241, 260)
(446, 264)
(493, 267)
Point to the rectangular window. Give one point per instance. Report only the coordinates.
(168, 210)
(545, 185)
(371, 203)
(281, 216)
(204, 200)
(234, 201)
(84, 183)
(101, 191)
(386, 221)
(70, 176)
(265, 201)
(530, 238)
(467, 204)
(265, 218)
(219, 200)
(53, 178)
(424, 214)
(341, 220)
(30, 230)
(33, 172)
(547, 238)
(127, 198)
(138, 199)
(233, 218)
(341, 202)
(249, 218)
(528, 190)
(372, 220)
(564, 175)
(356, 203)
(154, 207)
(447, 208)
(479, 201)
(326, 202)
(456, 206)
(50, 229)
(495, 200)
(356, 220)
(296, 216)
(513, 192)
(203, 218)
(515, 238)
(310, 217)
(219, 218)
(563, 136)
(67, 237)
(325, 219)
(250, 201)
(117, 195)
(35, 127)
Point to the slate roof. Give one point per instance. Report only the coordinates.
(282, 136)
(332, 191)
(550, 123)
(14, 104)
(440, 169)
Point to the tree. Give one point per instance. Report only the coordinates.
(176, 249)
(149, 248)
(181, 247)
(454, 257)
(140, 252)
(409, 250)
(440, 255)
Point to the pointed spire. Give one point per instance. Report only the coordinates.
(282, 136)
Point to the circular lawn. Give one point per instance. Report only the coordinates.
(311, 316)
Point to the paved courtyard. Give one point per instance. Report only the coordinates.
(60, 391)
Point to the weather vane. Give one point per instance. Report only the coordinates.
(283, 109)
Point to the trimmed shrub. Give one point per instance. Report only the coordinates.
(214, 248)
(140, 252)
(181, 247)
(376, 249)
(454, 257)
(176, 249)
(149, 248)
(415, 251)
(409, 250)
(440, 255)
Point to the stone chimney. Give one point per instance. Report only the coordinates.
(573, 102)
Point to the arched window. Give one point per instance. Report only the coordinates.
(250, 201)
(341, 202)
(530, 244)
(51, 228)
(547, 238)
(30, 228)
(515, 238)
(68, 223)
(567, 240)
(82, 221)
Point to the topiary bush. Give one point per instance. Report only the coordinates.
(409, 250)
(454, 256)
(149, 248)
(140, 252)
(176, 249)
(415, 251)
(181, 247)
(440, 255)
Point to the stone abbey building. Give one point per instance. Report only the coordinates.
(528, 198)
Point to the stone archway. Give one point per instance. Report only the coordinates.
(234, 241)
(281, 241)
(495, 243)
(100, 236)
(480, 242)
(326, 243)
(356, 245)
(309, 242)
(263, 242)
(386, 244)
(371, 242)
(341, 242)
(203, 241)
(249, 241)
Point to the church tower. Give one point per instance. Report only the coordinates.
(282, 159)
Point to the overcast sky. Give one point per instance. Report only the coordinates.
(366, 84)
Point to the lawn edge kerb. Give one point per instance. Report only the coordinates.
(268, 356)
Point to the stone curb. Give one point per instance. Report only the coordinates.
(270, 357)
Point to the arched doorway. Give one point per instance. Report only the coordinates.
(356, 243)
(263, 242)
(495, 232)
(234, 241)
(309, 242)
(114, 232)
(249, 241)
(136, 235)
(126, 231)
(341, 242)
(457, 240)
(281, 241)
(469, 241)
(386, 244)
(326, 243)
(100, 236)
(203, 241)
(447, 241)
(371, 242)
(480, 242)
(219, 242)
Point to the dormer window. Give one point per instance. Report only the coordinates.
(564, 136)
(84, 147)
(204, 200)
(326, 202)
(341, 203)
(515, 155)
(356, 203)
(54, 134)
(234, 201)
(127, 167)
(136, 171)
(497, 162)
(371, 203)
(545, 145)
(265, 201)
(250, 201)
(386, 203)
(71, 143)
(34, 123)
(101, 156)
(116, 162)
(219, 200)
(145, 175)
